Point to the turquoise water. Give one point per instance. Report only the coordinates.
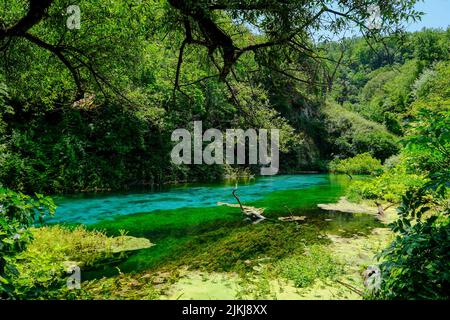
(91, 209)
(185, 219)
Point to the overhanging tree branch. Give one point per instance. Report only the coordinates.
(58, 52)
(36, 12)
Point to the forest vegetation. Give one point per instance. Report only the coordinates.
(92, 110)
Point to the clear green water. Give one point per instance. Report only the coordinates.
(185, 219)
(94, 208)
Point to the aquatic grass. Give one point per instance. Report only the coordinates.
(173, 223)
(279, 202)
(239, 250)
(315, 263)
(40, 270)
(217, 238)
(121, 287)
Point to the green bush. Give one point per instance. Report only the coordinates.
(40, 271)
(303, 270)
(349, 134)
(360, 164)
(41, 268)
(17, 213)
(416, 265)
(389, 186)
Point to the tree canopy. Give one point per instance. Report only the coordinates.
(222, 32)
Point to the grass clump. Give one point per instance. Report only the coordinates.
(70, 244)
(303, 270)
(360, 164)
(40, 272)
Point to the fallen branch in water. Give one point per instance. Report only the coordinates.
(381, 210)
(250, 212)
(352, 288)
(292, 218)
(254, 214)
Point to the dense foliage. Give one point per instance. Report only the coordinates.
(93, 109)
(41, 270)
(416, 263)
(361, 164)
(17, 213)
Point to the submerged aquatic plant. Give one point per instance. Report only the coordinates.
(303, 270)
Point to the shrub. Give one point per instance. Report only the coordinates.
(389, 186)
(304, 269)
(349, 134)
(41, 268)
(360, 164)
(416, 265)
(17, 213)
